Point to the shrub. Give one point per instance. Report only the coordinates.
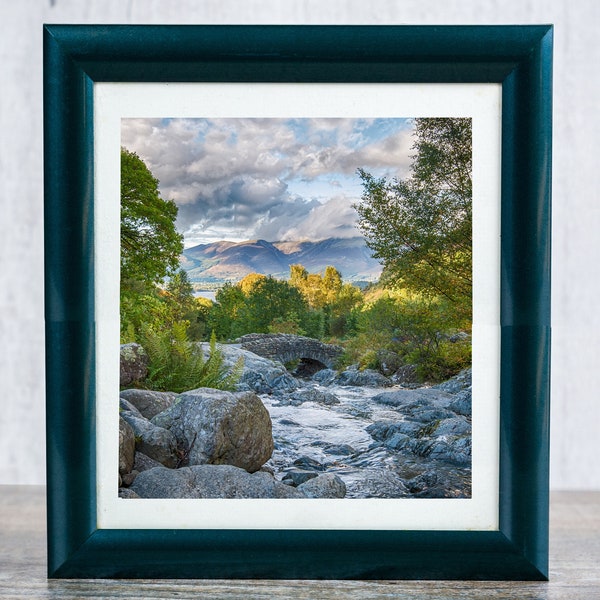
(177, 365)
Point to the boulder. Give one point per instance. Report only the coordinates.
(297, 477)
(134, 364)
(210, 481)
(339, 449)
(125, 405)
(458, 383)
(421, 397)
(126, 447)
(147, 402)
(327, 485)
(308, 463)
(308, 395)
(325, 376)
(141, 462)
(461, 405)
(454, 426)
(456, 450)
(406, 375)
(366, 378)
(259, 374)
(217, 427)
(389, 362)
(155, 442)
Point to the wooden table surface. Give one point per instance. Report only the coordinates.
(574, 565)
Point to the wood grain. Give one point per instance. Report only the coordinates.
(574, 565)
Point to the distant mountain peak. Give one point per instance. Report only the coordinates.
(231, 261)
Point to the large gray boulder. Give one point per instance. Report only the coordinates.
(308, 395)
(259, 374)
(217, 427)
(155, 442)
(366, 378)
(134, 364)
(126, 447)
(148, 402)
(210, 481)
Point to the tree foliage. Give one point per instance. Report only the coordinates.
(421, 227)
(150, 244)
(150, 249)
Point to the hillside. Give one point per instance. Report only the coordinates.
(230, 261)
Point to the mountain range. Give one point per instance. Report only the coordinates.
(223, 261)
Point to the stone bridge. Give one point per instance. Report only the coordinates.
(312, 354)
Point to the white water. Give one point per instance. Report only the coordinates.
(368, 469)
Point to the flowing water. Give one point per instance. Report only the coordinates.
(334, 439)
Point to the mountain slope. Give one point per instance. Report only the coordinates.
(229, 261)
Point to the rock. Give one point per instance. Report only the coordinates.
(426, 415)
(461, 405)
(458, 383)
(128, 479)
(210, 481)
(306, 462)
(147, 402)
(389, 362)
(453, 426)
(325, 376)
(421, 397)
(366, 378)
(125, 405)
(327, 485)
(381, 430)
(384, 484)
(155, 442)
(309, 395)
(127, 493)
(297, 477)
(406, 375)
(126, 447)
(259, 374)
(218, 427)
(457, 450)
(134, 364)
(142, 462)
(339, 449)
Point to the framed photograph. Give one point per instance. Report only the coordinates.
(298, 301)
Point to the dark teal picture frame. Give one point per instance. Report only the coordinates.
(517, 57)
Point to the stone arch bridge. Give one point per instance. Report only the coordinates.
(312, 354)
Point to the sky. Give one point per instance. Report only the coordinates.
(273, 179)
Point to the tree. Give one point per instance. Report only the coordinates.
(181, 293)
(421, 227)
(150, 244)
(150, 249)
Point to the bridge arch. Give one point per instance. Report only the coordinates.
(313, 354)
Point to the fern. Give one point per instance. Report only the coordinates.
(177, 365)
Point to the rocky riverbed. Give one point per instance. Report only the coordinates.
(354, 434)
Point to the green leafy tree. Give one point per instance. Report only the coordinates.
(421, 227)
(150, 249)
(150, 244)
(180, 294)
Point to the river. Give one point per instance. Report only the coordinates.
(334, 439)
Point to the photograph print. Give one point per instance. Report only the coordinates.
(295, 308)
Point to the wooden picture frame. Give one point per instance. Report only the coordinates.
(519, 59)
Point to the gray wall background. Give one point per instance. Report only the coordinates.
(576, 256)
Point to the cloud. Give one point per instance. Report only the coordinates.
(269, 178)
